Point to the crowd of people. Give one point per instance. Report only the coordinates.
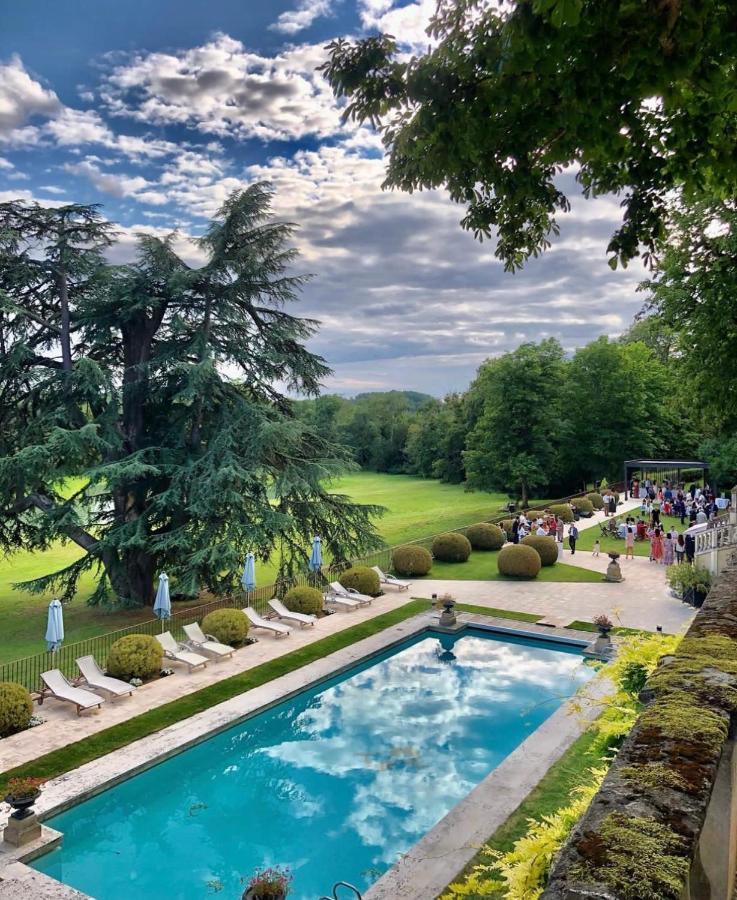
(546, 525)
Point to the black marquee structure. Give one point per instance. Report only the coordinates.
(658, 469)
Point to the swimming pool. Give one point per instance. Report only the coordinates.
(334, 783)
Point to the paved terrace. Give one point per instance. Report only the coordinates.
(642, 601)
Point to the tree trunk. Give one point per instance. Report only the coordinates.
(523, 499)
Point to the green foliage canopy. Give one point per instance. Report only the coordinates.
(509, 95)
(115, 377)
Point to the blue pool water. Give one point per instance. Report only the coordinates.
(335, 783)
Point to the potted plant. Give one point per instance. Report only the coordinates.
(268, 884)
(698, 586)
(22, 794)
(604, 624)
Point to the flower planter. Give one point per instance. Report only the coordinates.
(22, 805)
(254, 894)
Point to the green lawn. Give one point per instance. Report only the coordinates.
(482, 566)
(608, 544)
(416, 507)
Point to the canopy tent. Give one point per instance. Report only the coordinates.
(658, 469)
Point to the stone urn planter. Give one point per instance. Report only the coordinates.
(268, 884)
(613, 572)
(22, 806)
(23, 826)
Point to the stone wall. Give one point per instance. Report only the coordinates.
(663, 823)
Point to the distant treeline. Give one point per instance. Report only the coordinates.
(532, 421)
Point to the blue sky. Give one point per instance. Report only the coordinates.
(159, 109)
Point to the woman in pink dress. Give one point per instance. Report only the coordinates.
(629, 543)
(656, 546)
(668, 549)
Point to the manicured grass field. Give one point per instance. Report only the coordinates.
(416, 507)
(482, 566)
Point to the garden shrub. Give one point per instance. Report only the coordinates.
(451, 547)
(585, 507)
(411, 559)
(361, 579)
(597, 501)
(506, 526)
(16, 708)
(562, 511)
(134, 656)
(304, 599)
(229, 626)
(547, 547)
(519, 561)
(485, 536)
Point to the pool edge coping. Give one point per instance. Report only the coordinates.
(105, 772)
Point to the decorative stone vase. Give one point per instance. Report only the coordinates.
(253, 894)
(613, 572)
(604, 630)
(22, 805)
(448, 616)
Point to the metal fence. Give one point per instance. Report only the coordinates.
(28, 671)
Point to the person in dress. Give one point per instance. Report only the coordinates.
(559, 527)
(668, 549)
(597, 547)
(656, 546)
(680, 548)
(629, 543)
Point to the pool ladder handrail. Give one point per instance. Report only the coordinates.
(351, 887)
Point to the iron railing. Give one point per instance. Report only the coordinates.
(27, 671)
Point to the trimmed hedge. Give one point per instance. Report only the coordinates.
(562, 511)
(134, 656)
(229, 626)
(16, 708)
(361, 579)
(585, 507)
(451, 547)
(519, 561)
(304, 599)
(597, 501)
(506, 526)
(486, 536)
(411, 559)
(547, 547)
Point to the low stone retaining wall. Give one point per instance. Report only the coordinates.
(664, 823)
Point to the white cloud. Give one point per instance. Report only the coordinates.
(222, 88)
(6, 164)
(118, 185)
(408, 23)
(22, 98)
(295, 20)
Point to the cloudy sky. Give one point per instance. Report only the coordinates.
(158, 109)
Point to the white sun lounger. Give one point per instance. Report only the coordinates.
(206, 642)
(392, 580)
(337, 590)
(283, 613)
(344, 602)
(258, 622)
(57, 686)
(179, 652)
(98, 680)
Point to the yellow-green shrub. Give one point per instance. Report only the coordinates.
(411, 560)
(229, 626)
(547, 547)
(16, 708)
(562, 511)
(451, 547)
(485, 536)
(585, 507)
(361, 579)
(597, 501)
(134, 656)
(519, 561)
(304, 599)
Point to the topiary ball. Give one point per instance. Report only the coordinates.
(411, 560)
(361, 579)
(562, 511)
(585, 507)
(485, 536)
(16, 708)
(304, 599)
(547, 547)
(451, 547)
(506, 526)
(229, 626)
(597, 501)
(519, 561)
(134, 656)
